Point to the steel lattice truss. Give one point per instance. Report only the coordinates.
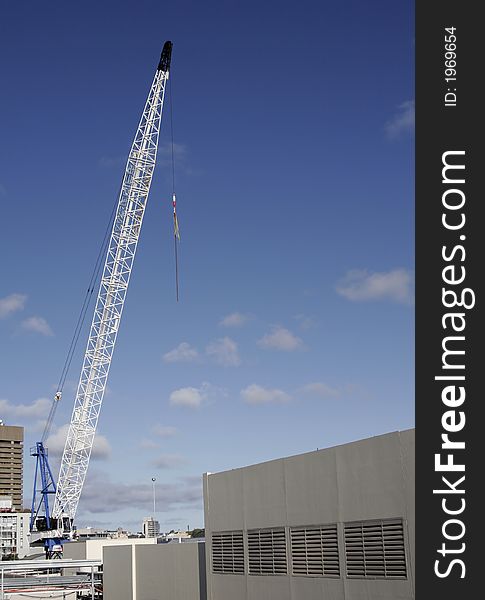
(109, 304)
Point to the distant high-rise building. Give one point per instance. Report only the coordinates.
(150, 527)
(11, 463)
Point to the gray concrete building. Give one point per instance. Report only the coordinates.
(92, 549)
(170, 571)
(334, 524)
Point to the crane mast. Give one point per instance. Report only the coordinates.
(111, 297)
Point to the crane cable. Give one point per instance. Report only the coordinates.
(80, 321)
(176, 232)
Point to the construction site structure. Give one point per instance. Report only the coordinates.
(51, 526)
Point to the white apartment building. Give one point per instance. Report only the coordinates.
(150, 527)
(14, 529)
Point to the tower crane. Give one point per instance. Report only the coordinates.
(56, 525)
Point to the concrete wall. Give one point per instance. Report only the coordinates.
(118, 573)
(155, 572)
(364, 480)
(74, 550)
(93, 549)
(171, 571)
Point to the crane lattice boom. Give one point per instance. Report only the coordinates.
(111, 296)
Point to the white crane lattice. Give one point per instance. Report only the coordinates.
(111, 297)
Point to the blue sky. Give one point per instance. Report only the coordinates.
(294, 173)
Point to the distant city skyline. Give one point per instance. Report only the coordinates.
(294, 154)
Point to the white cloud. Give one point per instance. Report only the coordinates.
(360, 285)
(224, 352)
(402, 122)
(322, 390)
(149, 444)
(37, 325)
(256, 394)
(305, 322)
(101, 448)
(195, 397)
(184, 352)
(55, 444)
(169, 461)
(280, 338)
(188, 396)
(235, 319)
(12, 303)
(35, 410)
(164, 431)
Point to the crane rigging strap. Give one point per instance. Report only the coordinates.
(176, 231)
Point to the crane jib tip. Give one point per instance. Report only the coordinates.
(166, 57)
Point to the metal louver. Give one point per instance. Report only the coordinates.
(314, 550)
(267, 551)
(375, 550)
(228, 552)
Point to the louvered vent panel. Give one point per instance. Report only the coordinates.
(267, 552)
(228, 552)
(314, 551)
(375, 550)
